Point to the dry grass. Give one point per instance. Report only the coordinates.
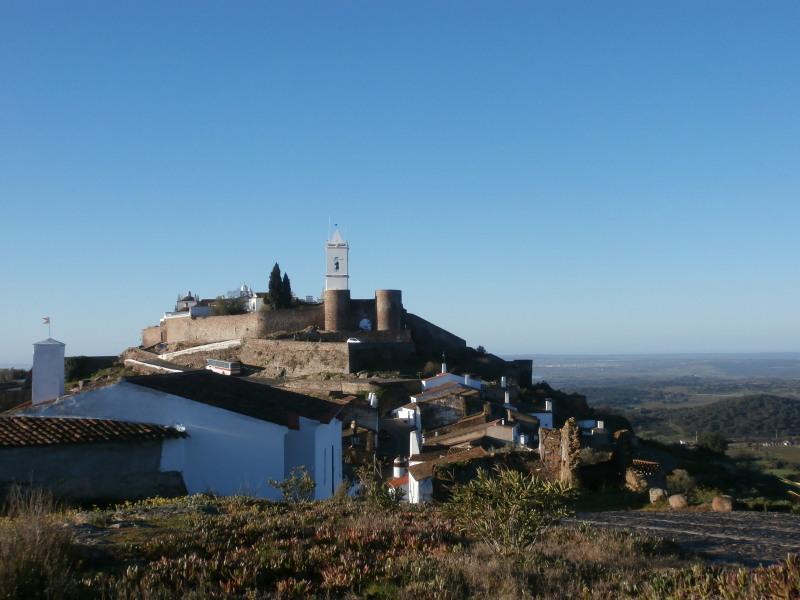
(203, 547)
(35, 547)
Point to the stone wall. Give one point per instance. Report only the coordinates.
(14, 397)
(292, 319)
(151, 336)
(432, 339)
(206, 330)
(550, 452)
(287, 358)
(378, 356)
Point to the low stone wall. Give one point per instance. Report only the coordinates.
(14, 397)
(286, 358)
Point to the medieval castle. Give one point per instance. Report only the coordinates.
(338, 335)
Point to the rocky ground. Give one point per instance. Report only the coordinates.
(747, 538)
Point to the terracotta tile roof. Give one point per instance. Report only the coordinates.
(425, 470)
(468, 422)
(447, 389)
(47, 431)
(398, 481)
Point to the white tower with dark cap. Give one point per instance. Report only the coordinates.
(336, 257)
(48, 370)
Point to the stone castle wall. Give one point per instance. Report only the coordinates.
(151, 336)
(430, 338)
(206, 330)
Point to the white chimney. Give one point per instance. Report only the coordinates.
(503, 382)
(466, 379)
(399, 467)
(548, 406)
(600, 425)
(444, 367)
(48, 370)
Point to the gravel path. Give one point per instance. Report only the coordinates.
(749, 538)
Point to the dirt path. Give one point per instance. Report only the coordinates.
(749, 538)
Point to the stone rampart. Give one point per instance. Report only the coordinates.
(151, 336)
(207, 330)
(431, 338)
(378, 356)
(292, 319)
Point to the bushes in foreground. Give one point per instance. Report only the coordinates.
(204, 547)
(35, 547)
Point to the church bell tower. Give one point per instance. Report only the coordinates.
(336, 257)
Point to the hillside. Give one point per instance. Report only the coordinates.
(205, 547)
(757, 416)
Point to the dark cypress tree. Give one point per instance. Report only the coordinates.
(286, 292)
(274, 293)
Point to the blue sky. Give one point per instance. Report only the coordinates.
(560, 177)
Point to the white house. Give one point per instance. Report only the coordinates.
(421, 467)
(407, 412)
(444, 377)
(546, 417)
(240, 434)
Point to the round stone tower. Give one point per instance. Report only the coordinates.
(389, 309)
(337, 310)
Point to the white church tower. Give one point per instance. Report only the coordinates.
(48, 370)
(336, 252)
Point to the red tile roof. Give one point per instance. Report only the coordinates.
(425, 469)
(47, 431)
(398, 481)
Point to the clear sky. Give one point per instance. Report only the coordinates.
(559, 177)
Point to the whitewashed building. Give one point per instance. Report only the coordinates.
(239, 434)
(545, 417)
(445, 377)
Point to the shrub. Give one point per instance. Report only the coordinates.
(373, 490)
(35, 550)
(228, 306)
(680, 482)
(508, 510)
(713, 442)
(298, 487)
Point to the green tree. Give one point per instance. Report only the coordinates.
(228, 306)
(286, 292)
(714, 442)
(274, 295)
